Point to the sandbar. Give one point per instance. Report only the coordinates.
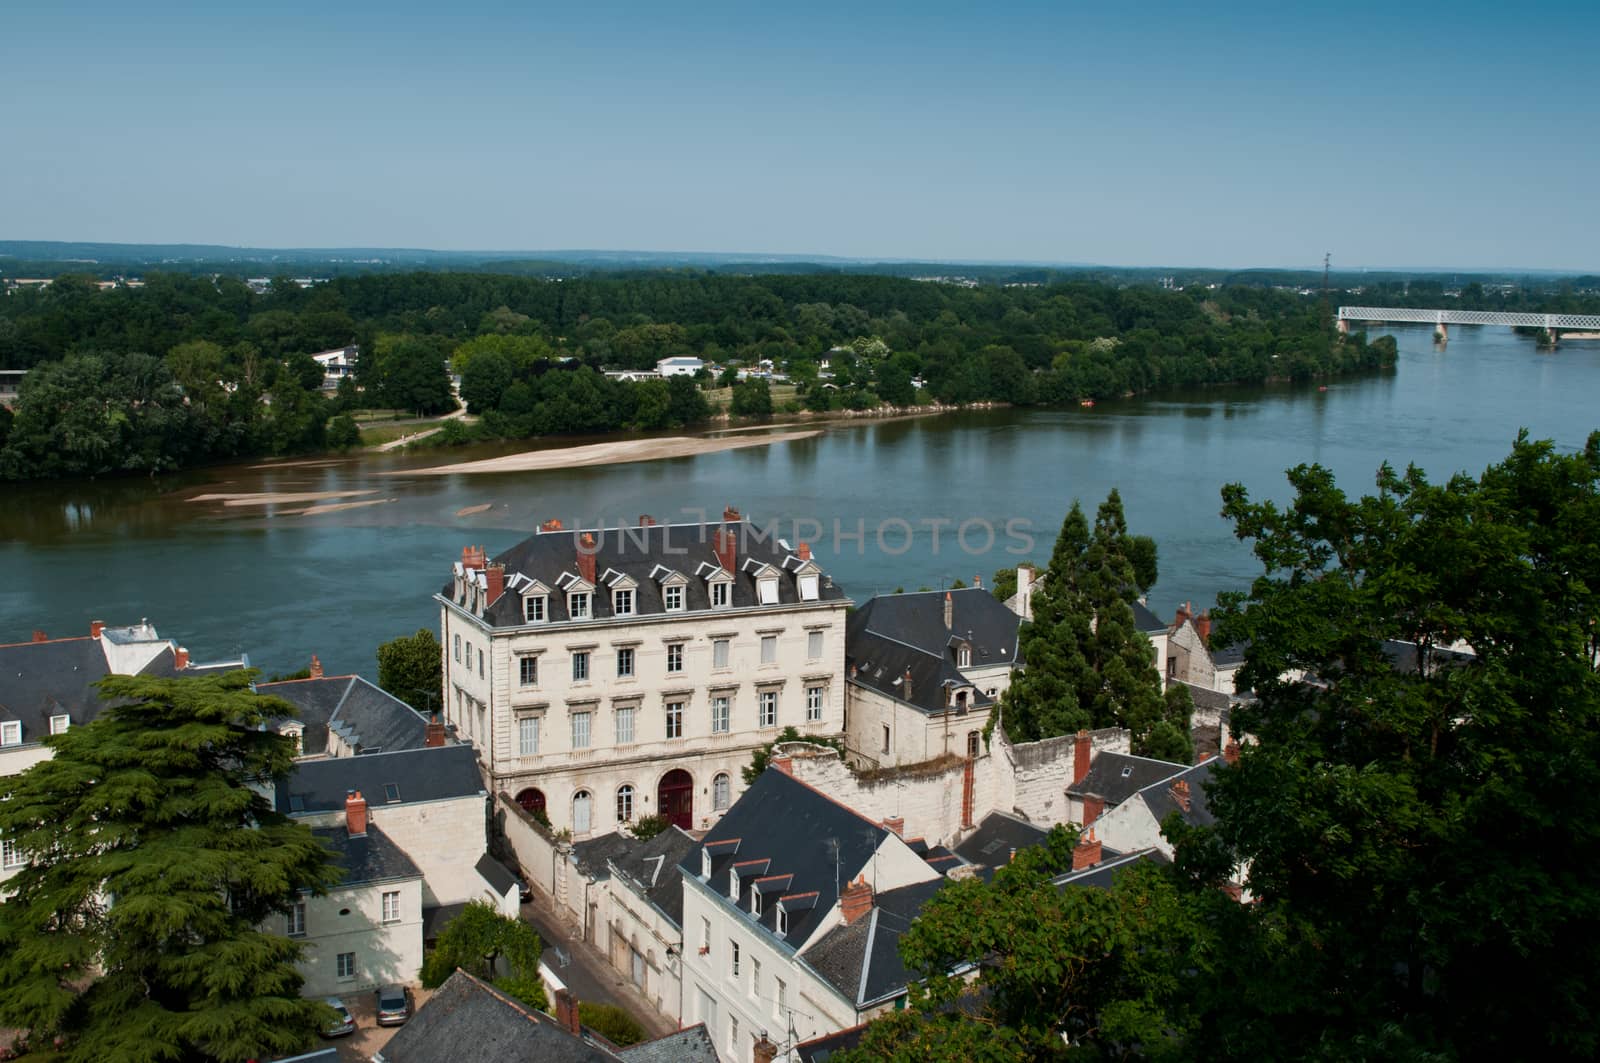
(467, 511)
(340, 507)
(275, 498)
(615, 453)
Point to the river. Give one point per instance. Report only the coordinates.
(282, 586)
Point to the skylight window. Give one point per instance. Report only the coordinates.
(391, 792)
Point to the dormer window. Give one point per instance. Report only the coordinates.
(578, 605)
(673, 598)
(733, 884)
(767, 590)
(622, 603)
(783, 920)
(755, 902)
(719, 595)
(11, 733)
(809, 591)
(535, 608)
(963, 656)
(705, 864)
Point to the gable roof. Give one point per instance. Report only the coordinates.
(691, 1045)
(499, 1029)
(881, 664)
(1115, 777)
(433, 773)
(653, 869)
(862, 960)
(1163, 800)
(366, 858)
(1146, 621)
(917, 620)
(496, 874)
(997, 837)
(367, 718)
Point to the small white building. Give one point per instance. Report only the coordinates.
(679, 366)
(337, 364)
(11, 385)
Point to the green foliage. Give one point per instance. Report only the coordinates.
(610, 1022)
(477, 941)
(151, 807)
(411, 668)
(647, 827)
(408, 372)
(751, 398)
(343, 433)
(760, 758)
(528, 989)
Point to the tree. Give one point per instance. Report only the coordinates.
(485, 378)
(343, 433)
(687, 403)
(477, 940)
(411, 668)
(152, 807)
(1418, 825)
(763, 755)
(610, 1022)
(411, 374)
(752, 398)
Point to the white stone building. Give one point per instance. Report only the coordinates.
(609, 674)
(679, 366)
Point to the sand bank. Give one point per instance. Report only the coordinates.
(617, 453)
(277, 498)
(467, 511)
(339, 507)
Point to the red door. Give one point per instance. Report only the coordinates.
(677, 798)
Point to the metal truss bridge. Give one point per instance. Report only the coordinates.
(1441, 318)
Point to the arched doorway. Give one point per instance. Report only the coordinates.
(532, 801)
(676, 798)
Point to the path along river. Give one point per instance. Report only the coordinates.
(352, 552)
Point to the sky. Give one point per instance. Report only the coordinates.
(1235, 134)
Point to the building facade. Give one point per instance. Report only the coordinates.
(609, 674)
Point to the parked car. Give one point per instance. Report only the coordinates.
(394, 1005)
(344, 1024)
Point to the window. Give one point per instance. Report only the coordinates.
(808, 588)
(675, 657)
(391, 906)
(783, 928)
(813, 645)
(768, 591)
(886, 738)
(674, 599)
(624, 804)
(580, 666)
(578, 605)
(755, 905)
(964, 656)
(719, 596)
(528, 671)
(625, 662)
(480, 664)
(294, 924)
(719, 714)
(458, 648)
(580, 730)
(733, 1029)
(527, 736)
(719, 792)
(719, 653)
(59, 724)
(533, 609)
(11, 854)
(705, 864)
(469, 656)
(580, 812)
(769, 708)
(769, 649)
(813, 704)
(622, 603)
(674, 719)
(705, 936)
(780, 996)
(11, 733)
(733, 959)
(755, 977)
(347, 966)
(625, 726)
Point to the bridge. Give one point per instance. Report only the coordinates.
(1442, 319)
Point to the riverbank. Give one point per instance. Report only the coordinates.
(619, 452)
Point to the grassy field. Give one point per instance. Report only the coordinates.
(375, 434)
(781, 393)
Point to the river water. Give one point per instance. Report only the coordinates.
(282, 586)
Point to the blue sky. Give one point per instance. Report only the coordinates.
(1141, 134)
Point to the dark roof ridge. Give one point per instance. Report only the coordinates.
(890, 638)
(310, 679)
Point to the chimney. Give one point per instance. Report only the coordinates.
(897, 824)
(725, 544)
(434, 735)
(495, 576)
(1025, 579)
(586, 551)
(1183, 614)
(316, 667)
(40, 636)
(1082, 754)
(1087, 852)
(731, 514)
(1230, 752)
(551, 525)
(783, 764)
(949, 611)
(765, 1051)
(803, 551)
(1093, 808)
(355, 814)
(180, 658)
(856, 900)
(567, 1013)
(1202, 626)
(472, 557)
(96, 628)
(646, 520)
(1180, 793)
(905, 686)
(852, 671)
(977, 581)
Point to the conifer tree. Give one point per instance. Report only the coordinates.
(133, 932)
(1045, 699)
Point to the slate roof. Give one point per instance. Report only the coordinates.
(466, 1012)
(819, 1049)
(436, 918)
(1146, 621)
(428, 774)
(862, 960)
(796, 831)
(653, 866)
(593, 855)
(1403, 657)
(1162, 801)
(1108, 870)
(1206, 698)
(1115, 777)
(895, 633)
(496, 874)
(370, 857)
(646, 555)
(691, 1045)
(369, 719)
(1228, 656)
(992, 844)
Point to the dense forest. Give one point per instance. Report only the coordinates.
(188, 369)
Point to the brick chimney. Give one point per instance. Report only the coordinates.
(355, 813)
(551, 525)
(765, 1051)
(1180, 793)
(1230, 752)
(725, 544)
(40, 636)
(803, 551)
(1202, 626)
(316, 667)
(1082, 754)
(1093, 808)
(96, 628)
(1087, 852)
(977, 581)
(731, 515)
(897, 824)
(567, 1013)
(949, 611)
(856, 900)
(646, 520)
(495, 577)
(586, 551)
(180, 658)
(434, 735)
(905, 685)
(783, 764)
(1183, 614)
(472, 557)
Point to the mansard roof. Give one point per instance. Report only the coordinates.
(977, 618)
(369, 719)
